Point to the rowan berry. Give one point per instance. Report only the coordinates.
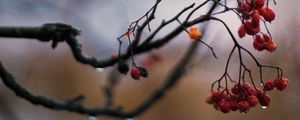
(242, 32)
(246, 85)
(258, 46)
(243, 106)
(259, 39)
(269, 14)
(194, 33)
(261, 11)
(264, 99)
(258, 3)
(281, 84)
(235, 89)
(269, 85)
(224, 106)
(271, 46)
(250, 30)
(258, 92)
(267, 38)
(255, 20)
(135, 73)
(252, 100)
(251, 91)
(244, 7)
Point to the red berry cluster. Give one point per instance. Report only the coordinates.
(261, 43)
(138, 72)
(135, 72)
(279, 84)
(242, 96)
(251, 12)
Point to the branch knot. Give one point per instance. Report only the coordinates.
(57, 32)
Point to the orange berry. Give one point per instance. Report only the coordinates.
(195, 34)
(271, 46)
(127, 34)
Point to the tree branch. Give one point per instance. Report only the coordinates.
(58, 32)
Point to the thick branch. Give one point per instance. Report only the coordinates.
(61, 32)
(57, 32)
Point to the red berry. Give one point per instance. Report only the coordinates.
(261, 11)
(258, 46)
(269, 15)
(251, 91)
(217, 96)
(281, 84)
(258, 92)
(243, 106)
(259, 39)
(252, 100)
(239, 97)
(255, 21)
(245, 7)
(269, 85)
(234, 106)
(264, 99)
(224, 106)
(242, 32)
(246, 86)
(250, 30)
(271, 46)
(235, 89)
(214, 97)
(267, 38)
(258, 3)
(135, 73)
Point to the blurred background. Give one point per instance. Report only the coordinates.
(55, 73)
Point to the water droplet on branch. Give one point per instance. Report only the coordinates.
(261, 84)
(264, 107)
(92, 118)
(130, 119)
(100, 69)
